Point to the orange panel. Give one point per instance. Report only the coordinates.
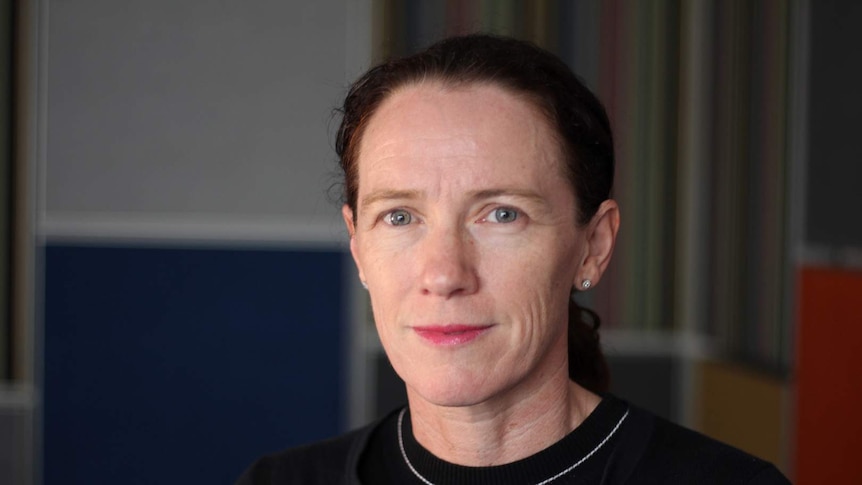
(829, 372)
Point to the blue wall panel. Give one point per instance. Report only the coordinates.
(168, 365)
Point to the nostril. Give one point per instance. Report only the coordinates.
(449, 266)
(449, 278)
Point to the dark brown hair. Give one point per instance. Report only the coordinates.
(580, 121)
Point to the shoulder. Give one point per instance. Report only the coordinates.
(669, 453)
(332, 461)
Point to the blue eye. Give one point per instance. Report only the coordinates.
(398, 217)
(502, 215)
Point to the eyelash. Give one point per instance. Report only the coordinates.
(494, 213)
(388, 217)
(407, 216)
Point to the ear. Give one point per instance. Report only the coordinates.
(347, 214)
(601, 238)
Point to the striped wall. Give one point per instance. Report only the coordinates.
(699, 296)
(698, 96)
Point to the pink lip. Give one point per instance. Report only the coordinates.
(450, 334)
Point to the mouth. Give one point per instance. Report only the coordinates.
(449, 335)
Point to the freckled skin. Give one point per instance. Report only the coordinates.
(449, 158)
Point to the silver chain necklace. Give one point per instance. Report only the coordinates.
(543, 482)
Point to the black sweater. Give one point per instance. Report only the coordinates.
(616, 444)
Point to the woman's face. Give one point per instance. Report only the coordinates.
(466, 236)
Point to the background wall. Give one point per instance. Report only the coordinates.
(733, 299)
(193, 287)
(703, 97)
(828, 431)
(183, 300)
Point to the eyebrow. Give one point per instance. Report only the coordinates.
(388, 195)
(512, 192)
(380, 195)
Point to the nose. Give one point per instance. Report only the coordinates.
(448, 263)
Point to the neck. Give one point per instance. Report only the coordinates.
(502, 430)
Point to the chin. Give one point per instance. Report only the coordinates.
(447, 391)
(446, 397)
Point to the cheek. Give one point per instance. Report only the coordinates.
(375, 259)
(534, 289)
(389, 290)
(535, 286)
(390, 280)
(532, 266)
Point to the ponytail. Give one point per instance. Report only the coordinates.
(587, 365)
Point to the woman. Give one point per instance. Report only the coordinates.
(477, 184)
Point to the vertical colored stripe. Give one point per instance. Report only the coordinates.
(728, 138)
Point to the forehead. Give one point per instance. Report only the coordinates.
(484, 105)
(460, 128)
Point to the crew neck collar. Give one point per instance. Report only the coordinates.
(579, 448)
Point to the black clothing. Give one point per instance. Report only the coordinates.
(383, 462)
(616, 444)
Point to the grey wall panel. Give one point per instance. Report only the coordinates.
(835, 116)
(158, 106)
(17, 425)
